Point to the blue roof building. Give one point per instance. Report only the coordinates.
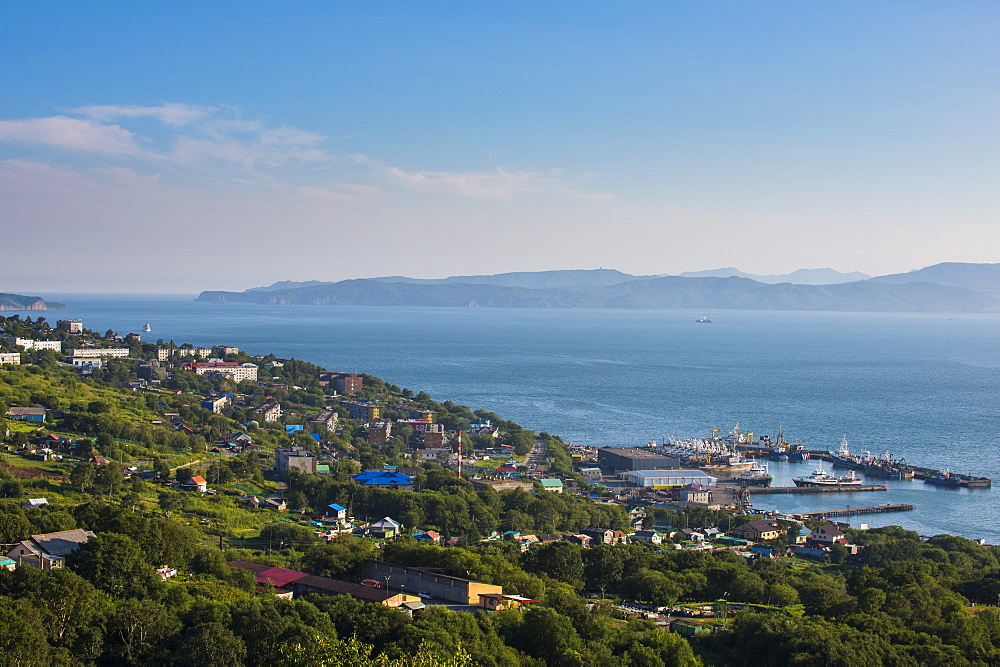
(385, 479)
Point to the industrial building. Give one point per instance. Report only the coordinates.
(428, 582)
(666, 479)
(634, 458)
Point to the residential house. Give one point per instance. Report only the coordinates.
(196, 483)
(47, 550)
(606, 535)
(10, 358)
(581, 540)
(553, 485)
(431, 536)
(27, 414)
(759, 531)
(826, 536)
(387, 527)
(273, 504)
(525, 541)
(695, 494)
(31, 503)
(335, 511)
(647, 536)
(692, 534)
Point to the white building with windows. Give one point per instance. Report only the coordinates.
(99, 353)
(29, 344)
(10, 357)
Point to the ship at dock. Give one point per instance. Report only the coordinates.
(757, 475)
(820, 477)
(883, 466)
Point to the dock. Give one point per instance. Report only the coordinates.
(816, 489)
(853, 511)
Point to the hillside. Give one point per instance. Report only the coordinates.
(983, 278)
(20, 302)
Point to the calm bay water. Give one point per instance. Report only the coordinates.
(924, 387)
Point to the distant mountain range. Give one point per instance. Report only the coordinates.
(20, 302)
(800, 277)
(949, 287)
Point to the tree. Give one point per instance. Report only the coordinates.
(559, 560)
(108, 478)
(81, 476)
(211, 645)
(138, 629)
(115, 564)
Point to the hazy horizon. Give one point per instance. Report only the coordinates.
(182, 147)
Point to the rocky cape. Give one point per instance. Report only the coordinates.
(950, 289)
(20, 302)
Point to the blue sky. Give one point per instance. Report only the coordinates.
(224, 145)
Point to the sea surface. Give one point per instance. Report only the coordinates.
(923, 386)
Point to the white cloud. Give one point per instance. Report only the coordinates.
(497, 185)
(168, 114)
(71, 133)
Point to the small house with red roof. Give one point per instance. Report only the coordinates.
(196, 483)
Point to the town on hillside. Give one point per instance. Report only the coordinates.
(156, 471)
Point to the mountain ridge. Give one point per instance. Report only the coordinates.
(665, 292)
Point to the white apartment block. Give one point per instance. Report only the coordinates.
(29, 344)
(234, 372)
(194, 352)
(10, 357)
(163, 353)
(99, 352)
(72, 326)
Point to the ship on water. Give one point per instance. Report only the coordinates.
(820, 477)
(757, 475)
(146, 328)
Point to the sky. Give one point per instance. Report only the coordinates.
(176, 147)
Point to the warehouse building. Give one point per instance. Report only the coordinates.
(667, 479)
(428, 582)
(634, 458)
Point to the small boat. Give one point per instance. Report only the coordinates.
(146, 327)
(704, 319)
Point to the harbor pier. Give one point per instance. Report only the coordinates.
(854, 511)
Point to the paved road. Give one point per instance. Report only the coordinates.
(536, 457)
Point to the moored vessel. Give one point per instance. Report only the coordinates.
(820, 477)
(757, 475)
